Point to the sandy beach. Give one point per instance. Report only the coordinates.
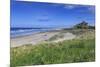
(38, 37)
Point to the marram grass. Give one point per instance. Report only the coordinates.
(68, 51)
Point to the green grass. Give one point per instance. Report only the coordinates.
(68, 51)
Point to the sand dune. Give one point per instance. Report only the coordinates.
(67, 36)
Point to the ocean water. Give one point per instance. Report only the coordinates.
(15, 32)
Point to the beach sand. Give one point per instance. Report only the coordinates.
(37, 38)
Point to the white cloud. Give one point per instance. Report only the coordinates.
(69, 6)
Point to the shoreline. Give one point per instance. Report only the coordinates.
(31, 39)
(36, 38)
(31, 33)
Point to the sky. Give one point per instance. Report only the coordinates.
(39, 14)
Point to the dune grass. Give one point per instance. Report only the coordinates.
(68, 51)
(57, 36)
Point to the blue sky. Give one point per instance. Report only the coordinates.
(38, 14)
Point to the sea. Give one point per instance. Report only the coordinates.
(16, 32)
